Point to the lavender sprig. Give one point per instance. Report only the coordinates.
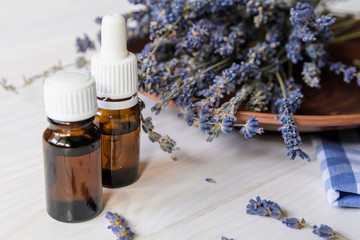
(166, 143)
(46, 73)
(349, 72)
(287, 106)
(268, 208)
(119, 227)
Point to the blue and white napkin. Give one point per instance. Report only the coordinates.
(338, 154)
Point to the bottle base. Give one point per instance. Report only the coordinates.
(120, 177)
(74, 211)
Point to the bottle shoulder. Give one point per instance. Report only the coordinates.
(118, 117)
(72, 138)
(118, 122)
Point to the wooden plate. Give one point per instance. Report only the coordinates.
(333, 107)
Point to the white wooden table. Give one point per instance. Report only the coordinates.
(171, 200)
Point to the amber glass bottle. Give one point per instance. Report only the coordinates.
(72, 148)
(120, 131)
(115, 73)
(72, 153)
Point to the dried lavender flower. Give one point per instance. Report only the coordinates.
(84, 44)
(210, 180)
(311, 74)
(292, 223)
(323, 231)
(251, 128)
(225, 238)
(119, 226)
(166, 143)
(349, 74)
(227, 125)
(268, 208)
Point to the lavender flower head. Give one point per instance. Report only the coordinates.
(292, 223)
(349, 74)
(205, 120)
(311, 74)
(264, 208)
(84, 44)
(196, 35)
(251, 128)
(225, 238)
(119, 227)
(323, 231)
(123, 233)
(227, 125)
(187, 112)
(304, 18)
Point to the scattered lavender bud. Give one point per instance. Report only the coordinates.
(98, 20)
(256, 207)
(292, 223)
(84, 44)
(123, 233)
(210, 180)
(225, 238)
(119, 226)
(323, 231)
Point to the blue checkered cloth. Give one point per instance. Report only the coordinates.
(338, 154)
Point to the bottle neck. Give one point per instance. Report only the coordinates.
(55, 124)
(117, 104)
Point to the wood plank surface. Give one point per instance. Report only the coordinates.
(171, 200)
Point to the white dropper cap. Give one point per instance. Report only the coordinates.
(114, 68)
(113, 37)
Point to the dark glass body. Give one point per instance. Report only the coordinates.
(120, 136)
(72, 164)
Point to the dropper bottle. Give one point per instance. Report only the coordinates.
(118, 117)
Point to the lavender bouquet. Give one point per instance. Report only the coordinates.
(203, 52)
(211, 56)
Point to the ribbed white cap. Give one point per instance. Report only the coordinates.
(70, 96)
(114, 68)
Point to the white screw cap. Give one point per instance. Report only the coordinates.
(70, 96)
(114, 68)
